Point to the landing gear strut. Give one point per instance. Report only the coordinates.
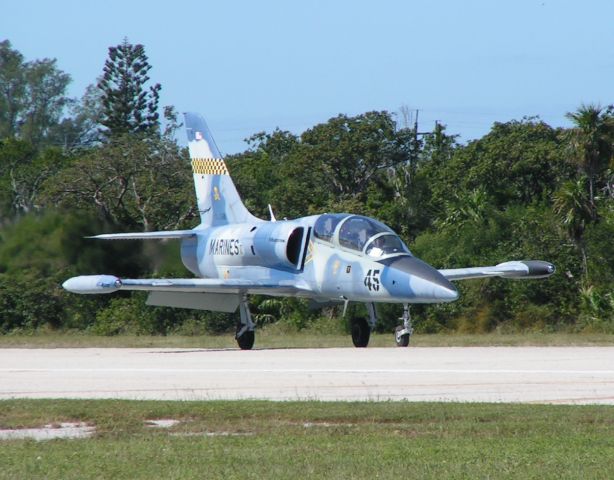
(245, 335)
(403, 332)
(361, 327)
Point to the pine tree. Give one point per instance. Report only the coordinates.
(128, 105)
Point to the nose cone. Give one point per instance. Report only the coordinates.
(447, 294)
(426, 283)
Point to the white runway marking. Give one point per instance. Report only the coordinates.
(497, 374)
(302, 370)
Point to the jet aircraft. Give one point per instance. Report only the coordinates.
(332, 257)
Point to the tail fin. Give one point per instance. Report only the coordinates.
(218, 201)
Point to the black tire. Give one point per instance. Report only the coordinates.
(246, 341)
(360, 332)
(401, 340)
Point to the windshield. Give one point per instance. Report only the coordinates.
(324, 227)
(357, 230)
(386, 245)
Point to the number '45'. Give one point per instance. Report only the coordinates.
(372, 280)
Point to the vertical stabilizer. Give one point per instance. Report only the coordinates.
(218, 201)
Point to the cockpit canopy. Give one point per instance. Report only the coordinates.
(356, 232)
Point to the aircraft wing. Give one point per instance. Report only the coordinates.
(211, 285)
(146, 235)
(111, 283)
(516, 269)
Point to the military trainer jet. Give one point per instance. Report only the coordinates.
(333, 257)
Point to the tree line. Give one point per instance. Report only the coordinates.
(107, 162)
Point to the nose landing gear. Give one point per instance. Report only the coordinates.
(403, 332)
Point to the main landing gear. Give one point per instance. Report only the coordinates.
(361, 327)
(403, 332)
(245, 328)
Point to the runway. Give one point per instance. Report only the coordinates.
(571, 375)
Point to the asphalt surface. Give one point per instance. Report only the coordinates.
(582, 375)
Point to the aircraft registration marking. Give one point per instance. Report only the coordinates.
(225, 246)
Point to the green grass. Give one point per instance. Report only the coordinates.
(312, 439)
(273, 338)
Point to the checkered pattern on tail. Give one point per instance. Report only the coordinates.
(209, 166)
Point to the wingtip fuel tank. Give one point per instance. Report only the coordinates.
(93, 284)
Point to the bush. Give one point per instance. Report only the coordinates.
(29, 301)
(597, 310)
(124, 315)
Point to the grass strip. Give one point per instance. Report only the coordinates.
(259, 439)
(276, 339)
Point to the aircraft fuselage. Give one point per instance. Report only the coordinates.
(288, 251)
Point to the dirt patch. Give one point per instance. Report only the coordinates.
(162, 423)
(65, 430)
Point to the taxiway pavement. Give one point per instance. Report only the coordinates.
(582, 375)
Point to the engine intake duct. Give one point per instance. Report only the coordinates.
(280, 245)
(295, 242)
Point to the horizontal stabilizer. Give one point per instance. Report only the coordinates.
(146, 235)
(525, 269)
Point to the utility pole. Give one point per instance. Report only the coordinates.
(413, 158)
(416, 127)
(416, 132)
(416, 143)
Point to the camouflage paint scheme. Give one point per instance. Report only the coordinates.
(322, 257)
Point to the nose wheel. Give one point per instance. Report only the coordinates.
(403, 332)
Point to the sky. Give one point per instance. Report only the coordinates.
(251, 66)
